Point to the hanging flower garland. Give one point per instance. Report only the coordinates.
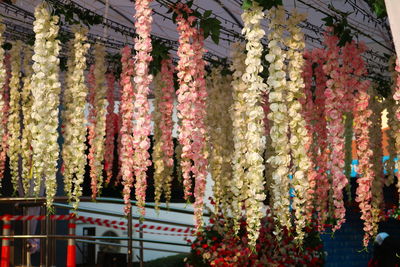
(46, 89)
(26, 103)
(14, 119)
(239, 118)
(126, 130)
(254, 176)
(199, 145)
(348, 157)
(299, 139)
(396, 126)
(92, 122)
(74, 131)
(280, 160)
(110, 128)
(5, 110)
(96, 154)
(362, 123)
(220, 142)
(186, 92)
(164, 147)
(141, 115)
(334, 113)
(3, 104)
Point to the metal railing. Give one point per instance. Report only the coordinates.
(48, 259)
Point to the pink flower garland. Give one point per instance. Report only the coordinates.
(125, 134)
(141, 114)
(4, 119)
(352, 54)
(186, 93)
(110, 128)
(334, 113)
(166, 123)
(92, 122)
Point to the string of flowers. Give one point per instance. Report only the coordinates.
(164, 147)
(299, 138)
(396, 108)
(280, 160)
(335, 124)
(92, 122)
(110, 128)
(142, 127)
(26, 103)
(186, 92)
(239, 118)
(362, 123)
(254, 176)
(74, 147)
(126, 130)
(199, 145)
(220, 143)
(45, 90)
(348, 157)
(14, 119)
(96, 155)
(5, 109)
(3, 104)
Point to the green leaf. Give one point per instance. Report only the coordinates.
(207, 13)
(247, 4)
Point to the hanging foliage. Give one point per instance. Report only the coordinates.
(14, 119)
(75, 95)
(45, 90)
(141, 115)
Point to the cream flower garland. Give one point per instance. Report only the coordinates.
(280, 160)
(163, 143)
(74, 147)
(3, 104)
(141, 114)
(239, 118)
(220, 140)
(14, 120)
(46, 89)
(26, 140)
(100, 102)
(299, 139)
(254, 176)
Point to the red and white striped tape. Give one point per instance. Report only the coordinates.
(121, 225)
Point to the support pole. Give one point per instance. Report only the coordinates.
(141, 243)
(5, 245)
(71, 249)
(130, 250)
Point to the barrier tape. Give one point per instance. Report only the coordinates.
(120, 225)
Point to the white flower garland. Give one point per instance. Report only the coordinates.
(297, 124)
(26, 140)
(46, 89)
(14, 120)
(238, 116)
(254, 176)
(74, 147)
(280, 161)
(3, 75)
(220, 139)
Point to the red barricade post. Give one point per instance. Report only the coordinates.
(71, 249)
(5, 244)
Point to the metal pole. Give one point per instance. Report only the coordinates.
(141, 243)
(42, 242)
(28, 254)
(5, 245)
(47, 240)
(130, 251)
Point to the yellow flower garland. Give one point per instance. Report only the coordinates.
(2, 83)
